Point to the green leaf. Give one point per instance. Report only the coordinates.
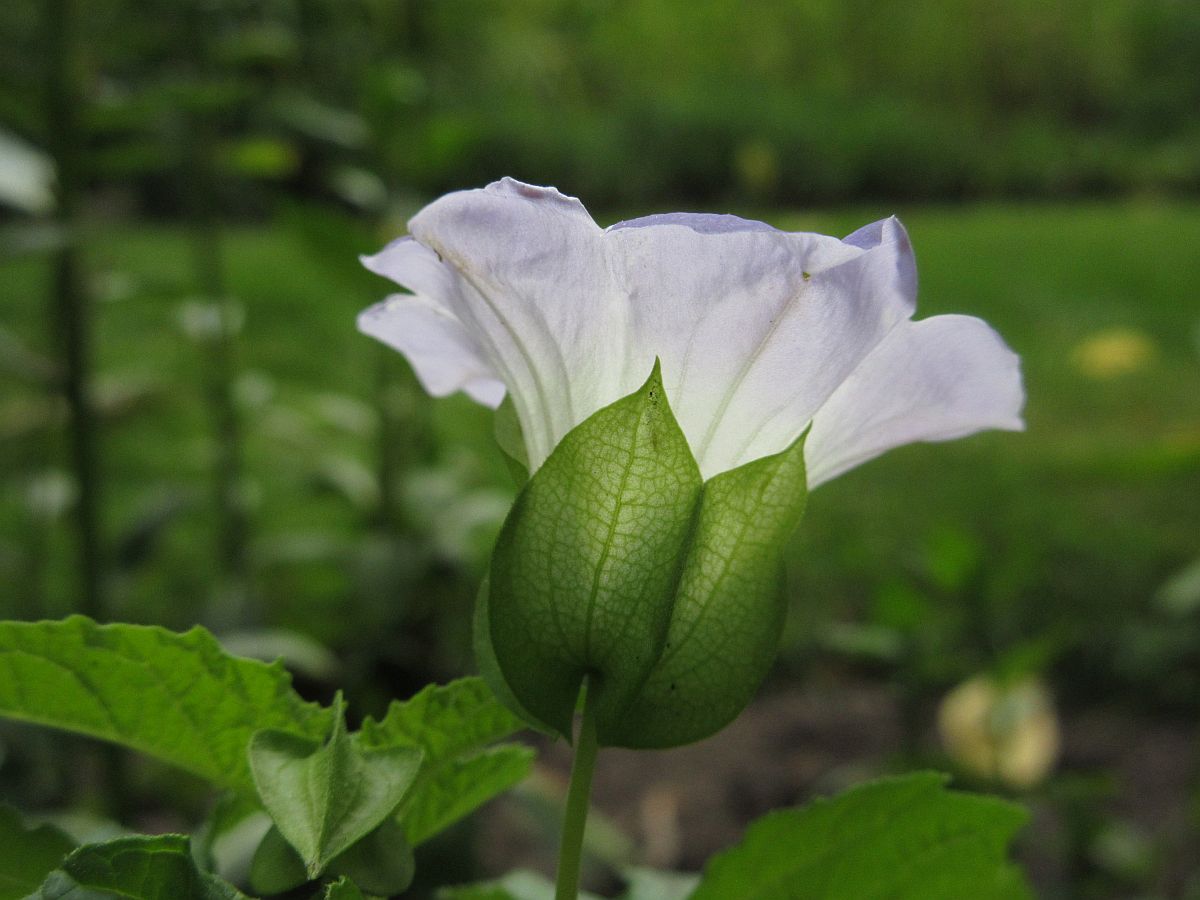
(381, 863)
(491, 890)
(463, 785)
(230, 811)
(729, 607)
(325, 797)
(452, 725)
(135, 868)
(905, 838)
(178, 697)
(343, 889)
(27, 855)
(276, 866)
(507, 429)
(259, 157)
(583, 574)
(651, 884)
(518, 885)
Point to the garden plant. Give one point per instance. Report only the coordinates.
(667, 392)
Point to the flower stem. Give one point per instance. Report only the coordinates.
(571, 852)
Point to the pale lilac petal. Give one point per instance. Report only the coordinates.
(533, 288)
(934, 380)
(414, 266)
(759, 331)
(755, 327)
(442, 353)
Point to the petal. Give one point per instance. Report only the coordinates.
(755, 327)
(443, 355)
(933, 380)
(532, 287)
(416, 267)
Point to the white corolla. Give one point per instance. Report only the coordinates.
(760, 332)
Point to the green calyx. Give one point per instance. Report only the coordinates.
(618, 563)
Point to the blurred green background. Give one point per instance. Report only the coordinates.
(191, 430)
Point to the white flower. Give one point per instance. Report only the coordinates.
(760, 332)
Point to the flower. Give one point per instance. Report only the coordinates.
(760, 332)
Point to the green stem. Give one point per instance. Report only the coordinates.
(201, 135)
(64, 101)
(391, 439)
(571, 853)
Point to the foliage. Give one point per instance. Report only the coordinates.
(337, 799)
(904, 837)
(373, 512)
(139, 868)
(343, 889)
(449, 725)
(326, 797)
(27, 855)
(824, 100)
(177, 697)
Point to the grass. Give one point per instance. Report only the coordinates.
(1066, 530)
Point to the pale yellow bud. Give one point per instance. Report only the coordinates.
(1009, 733)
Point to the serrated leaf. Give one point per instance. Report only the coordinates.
(905, 838)
(27, 855)
(583, 573)
(463, 785)
(451, 724)
(326, 797)
(443, 721)
(518, 885)
(343, 889)
(135, 868)
(729, 606)
(178, 697)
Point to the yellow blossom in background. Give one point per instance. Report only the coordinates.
(1113, 352)
(1009, 733)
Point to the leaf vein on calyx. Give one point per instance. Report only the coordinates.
(606, 549)
(705, 603)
